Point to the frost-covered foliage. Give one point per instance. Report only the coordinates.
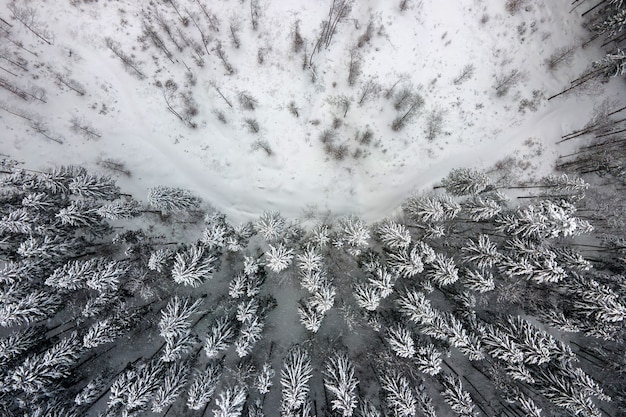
(294, 378)
(279, 257)
(171, 199)
(464, 181)
(340, 381)
(193, 267)
(409, 296)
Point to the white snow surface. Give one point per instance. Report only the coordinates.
(425, 46)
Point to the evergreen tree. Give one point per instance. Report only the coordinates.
(219, 338)
(278, 258)
(340, 381)
(203, 386)
(464, 181)
(193, 267)
(171, 199)
(294, 378)
(263, 381)
(230, 401)
(93, 186)
(271, 226)
(174, 381)
(398, 394)
(394, 236)
(458, 399)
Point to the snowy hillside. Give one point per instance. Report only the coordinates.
(319, 136)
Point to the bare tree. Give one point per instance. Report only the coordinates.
(203, 36)
(561, 56)
(219, 50)
(247, 101)
(298, 41)
(354, 68)
(369, 89)
(70, 83)
(466, 73)
(214, 22)
(255, 14)
(506, 81)
(234, 28)
(253, 125)
(128, 61)
(414, 102)
(339, 9)
(80, 126)
(27, 16)
(434, 123)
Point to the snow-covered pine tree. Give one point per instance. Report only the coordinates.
(537, 346)
(320, 236)
(82, 214)
(457, 398)
(310, 317)
(19, 221)
(175, 378)
(159, 260)
(133, 391)
(528, 406)
(499, 345)
(324, 298)
(264, 379)
(310, 260)
(73, 275)
(465, 181)
(237, 286)
(424, 209)
(398, 394)
(393, 235)
(406, 264)
(341, 382)
(203, 386)
(175, 317)
(354, 233)
(478, 280)
(270, 225)
(294, 378)
(39, 373)
(443, 270)
(119, 210)
(172, 199)
(416, 307)
(193, 267)
(19, 343)
(107, 275)
(247, 310)
(220, 337)
(278, 257)
(483, 253)
(217, 232)
(92, 391)
(480, 208)
(230, 401)
(367, 409)
(428, 359)
(367, 296)
(94, 187)
(250, 333)
(107, 330)
(177, 347)
(36, 306)
(383, 281)
(401, 342)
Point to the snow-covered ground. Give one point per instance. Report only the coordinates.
(425, 48)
